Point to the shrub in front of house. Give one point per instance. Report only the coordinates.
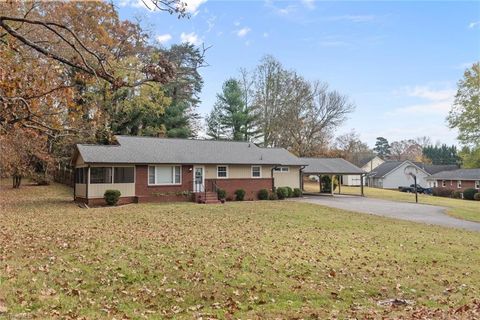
(289, 192)
(111, 197)
(476, 196)
(442, 192)
(222, 194)
(239, 194)
(469, 193)
(273, 196)
(263, 194)
(457, 194)
(297, 192)
(282, 193)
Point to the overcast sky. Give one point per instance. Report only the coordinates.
(399, 62)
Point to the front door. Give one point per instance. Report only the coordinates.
(198, 179)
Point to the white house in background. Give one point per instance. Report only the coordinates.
(391, 175)
(367, 164)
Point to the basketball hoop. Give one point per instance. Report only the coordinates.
(412, 171)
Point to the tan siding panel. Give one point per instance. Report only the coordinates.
(288, 179)
(81, 190)
(98, 190)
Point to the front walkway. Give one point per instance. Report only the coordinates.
(423, 213)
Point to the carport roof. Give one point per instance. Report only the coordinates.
(330, 166)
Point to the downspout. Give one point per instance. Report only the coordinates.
(301, 177)
(273, 179)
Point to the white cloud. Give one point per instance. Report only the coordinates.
(164, 38)
(266, 35)
(211, 22)
(433, 108)
(310, 4)
(243, 32)
(438, 101)
(425, 92)
(352, 18)
(474, 24)
(190, 38)
(193, 5)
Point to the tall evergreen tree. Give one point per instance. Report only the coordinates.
(230, 118)
(382, 147)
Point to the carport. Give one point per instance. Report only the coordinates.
(331, 167)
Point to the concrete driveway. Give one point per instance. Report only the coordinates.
(399, 210)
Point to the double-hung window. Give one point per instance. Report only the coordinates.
(256, 171)
(164, 175)
(444, 184)
(459, 184)
(477, 184)
(222, 171)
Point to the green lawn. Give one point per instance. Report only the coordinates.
(463, 209)
(271, 259)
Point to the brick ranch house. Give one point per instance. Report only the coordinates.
(147, 169)
(459, 179)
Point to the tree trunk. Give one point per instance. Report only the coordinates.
(17, 180)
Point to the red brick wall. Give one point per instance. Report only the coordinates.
(101, 202)
(146, 193)
(251, 186)
(465, 184)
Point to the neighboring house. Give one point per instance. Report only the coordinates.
(147, 169)
(391, 174)
(459, 179)
(367, 164)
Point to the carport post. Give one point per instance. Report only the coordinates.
(331, 183)
(339, 185)
(361, 184)
(319, 183)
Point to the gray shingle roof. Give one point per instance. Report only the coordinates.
(459, 174)
(384, 168)
(390, 165)
(434, 168)
(330, 166)
(163, 150)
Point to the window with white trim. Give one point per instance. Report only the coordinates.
(444, 183)
(164, 175)
(477, 184)
(222, 171)
(459, 184)
(256, 171)
(281, 169)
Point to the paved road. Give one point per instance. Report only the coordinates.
(399, 210)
